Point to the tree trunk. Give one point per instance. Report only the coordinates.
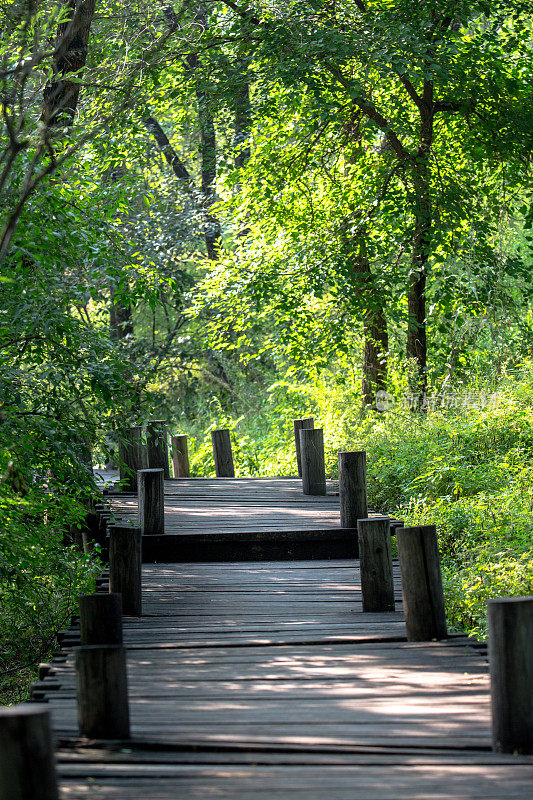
(243, 123)
(212, 225)
(374, 322)
(242, 128)
(120, 317)
(62, 94)
(416, 325)
(208, 148)
(376, 349)
(416, 298)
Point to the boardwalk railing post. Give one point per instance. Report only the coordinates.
(180, 456)
(352, 487)
(102, 692)
(222, 454)
(304, 422)
(313, 462)
(151, 501)
(511, 672)
(132, 454)
(27, 766)
(423, 598)
(101, 619)
(125, 571)
(375, 556)
(157, 446)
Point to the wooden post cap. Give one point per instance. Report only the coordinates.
(27, 764)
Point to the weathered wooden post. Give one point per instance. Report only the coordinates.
(222, 454)
(125, 571)
(511, 673)
(180, 456)
(375, 556)
(132, 453)
(298, 424)
(352, 487)
(423, 599)
(151, 501)
(102, 692)
(27, 765)
(100, 533)
(157, 446)
(101, 619)
(313, 462)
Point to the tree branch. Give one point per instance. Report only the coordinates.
(454, 107)
(178, 167)
(371, 112)
(244, 13)
(410, 89)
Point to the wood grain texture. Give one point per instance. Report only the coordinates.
(312, 458)
(27, 769)
(298, 424)
(511, 667)
(101, 619)
(421, 583)
(222, 453)
(377, 581)
(180, 456)
(434, 781)
(266, 679)
(352, 488)
(125, 567)
(102, 692)
(281, 655)
(151, 501)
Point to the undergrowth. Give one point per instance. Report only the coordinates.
(468, 469)
(42, 575)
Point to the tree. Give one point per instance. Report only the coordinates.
(33, 144)
(435, 91)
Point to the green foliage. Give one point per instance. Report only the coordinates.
(467, 469)
(42, 575)
(109, 312)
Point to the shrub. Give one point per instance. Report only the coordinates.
(469, 470)
(41, 578)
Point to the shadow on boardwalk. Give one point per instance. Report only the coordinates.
(267, 680)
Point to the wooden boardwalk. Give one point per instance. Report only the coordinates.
(266, 680)
(223, 519)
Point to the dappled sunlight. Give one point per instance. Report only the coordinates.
(340, 691)
(223, 669)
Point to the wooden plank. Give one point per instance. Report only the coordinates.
(402, 782)
(265, 679)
